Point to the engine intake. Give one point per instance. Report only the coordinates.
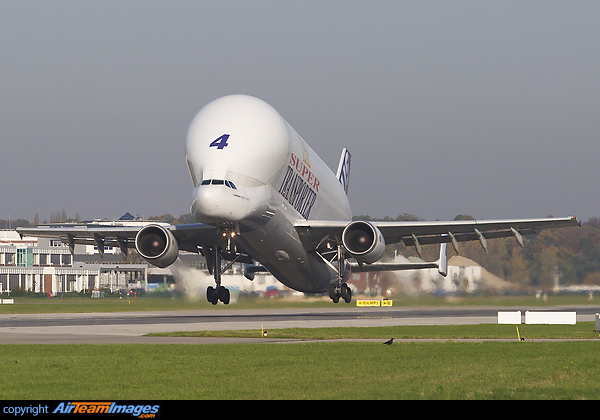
(157, 245)
(363, 241)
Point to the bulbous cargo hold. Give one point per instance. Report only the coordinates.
(157, 245)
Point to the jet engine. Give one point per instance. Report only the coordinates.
(157, 245)
(363, 241)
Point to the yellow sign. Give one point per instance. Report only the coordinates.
(368, 303)
(383, 302)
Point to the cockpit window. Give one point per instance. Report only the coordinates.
(219, 182)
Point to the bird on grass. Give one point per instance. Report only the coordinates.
(389, 342)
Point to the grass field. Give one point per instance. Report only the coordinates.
(321, 370)
(581, 330)
(513, 369)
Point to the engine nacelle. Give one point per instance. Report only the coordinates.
(157, 245)
(363, 241)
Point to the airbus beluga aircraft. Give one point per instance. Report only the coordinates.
(263, 197)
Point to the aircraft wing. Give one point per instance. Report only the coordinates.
(189, 237)
(317, 233)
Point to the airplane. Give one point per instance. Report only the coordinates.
(262, 197)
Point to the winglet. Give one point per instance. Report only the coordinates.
(343, 172)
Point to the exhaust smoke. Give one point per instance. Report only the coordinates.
(191, 282)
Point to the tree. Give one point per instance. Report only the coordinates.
(516, 267)
(166, 218)
(184, 219)
(592, 279)
(464, 217)
(405, 217)
(544, 270)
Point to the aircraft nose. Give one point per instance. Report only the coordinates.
(216, 202)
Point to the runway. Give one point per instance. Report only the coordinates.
(131, 327)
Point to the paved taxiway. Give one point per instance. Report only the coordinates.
(131, 327)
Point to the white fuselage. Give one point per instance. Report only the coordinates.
(253, 173)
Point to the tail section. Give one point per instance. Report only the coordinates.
(343, 172)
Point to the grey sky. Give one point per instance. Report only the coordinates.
(488, 108)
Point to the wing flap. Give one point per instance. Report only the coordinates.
(463, 237)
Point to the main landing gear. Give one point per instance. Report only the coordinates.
(339, 289)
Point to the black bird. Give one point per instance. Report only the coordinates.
(390, 341)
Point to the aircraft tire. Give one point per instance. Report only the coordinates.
(224, 295)
(211, 295)
(331, 290)
(346, 293)
(333, 294)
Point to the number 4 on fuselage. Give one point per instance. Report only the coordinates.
(221, 142)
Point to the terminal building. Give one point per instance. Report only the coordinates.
(47, 266)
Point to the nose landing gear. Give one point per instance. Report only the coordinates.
(217, 293)
(213, 260)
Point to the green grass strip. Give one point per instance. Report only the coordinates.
(321, 370)
(581, 330)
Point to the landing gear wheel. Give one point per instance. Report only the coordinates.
(346, 293)
(219, 294)
(333, 294)
(223, 294)
(212, 295)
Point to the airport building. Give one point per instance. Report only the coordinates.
(47, 266)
